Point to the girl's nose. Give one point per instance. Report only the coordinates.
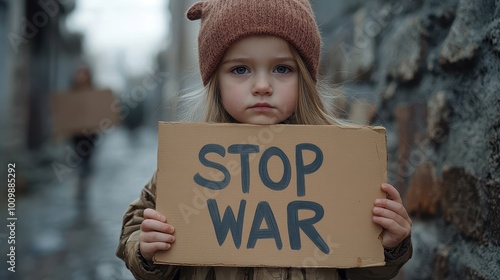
(262, 85)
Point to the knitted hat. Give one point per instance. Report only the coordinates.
(225, 21)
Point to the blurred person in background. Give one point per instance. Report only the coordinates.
(84, 144)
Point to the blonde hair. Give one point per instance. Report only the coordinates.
(314, 100)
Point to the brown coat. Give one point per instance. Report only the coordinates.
(128, 251)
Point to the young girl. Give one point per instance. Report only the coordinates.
(259, 63)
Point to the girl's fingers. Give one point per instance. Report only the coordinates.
(392, 227)
(155, 246)
(392, 193)
(394, 206)
(393, 232)
(156, 234)
(391, 215)
(388, 224)
(148, 249)
(153, 237)
(386, 213)
(153, 214)
(393, 201)
(154, 225)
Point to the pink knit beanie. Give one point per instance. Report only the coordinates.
(225, 21)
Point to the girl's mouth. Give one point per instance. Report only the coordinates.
(262, 105)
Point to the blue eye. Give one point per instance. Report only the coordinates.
(282, 69)
(239, 70)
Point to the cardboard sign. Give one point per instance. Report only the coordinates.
(282, 195)
(76, 112)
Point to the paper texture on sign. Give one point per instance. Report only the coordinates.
(281, 195)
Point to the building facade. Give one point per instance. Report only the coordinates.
(38, 59)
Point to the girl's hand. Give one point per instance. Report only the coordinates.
(392, 216)
(155, 234)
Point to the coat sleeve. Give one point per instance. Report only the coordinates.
(394, 260)
(128, 249)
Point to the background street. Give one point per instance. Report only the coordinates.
(60, 239)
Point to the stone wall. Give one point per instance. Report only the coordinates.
(429, 71)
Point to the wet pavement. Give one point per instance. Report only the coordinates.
(59, 239)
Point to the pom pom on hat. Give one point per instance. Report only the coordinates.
(225, 21)
(196, 11)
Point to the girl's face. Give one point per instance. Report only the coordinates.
(258, 80)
